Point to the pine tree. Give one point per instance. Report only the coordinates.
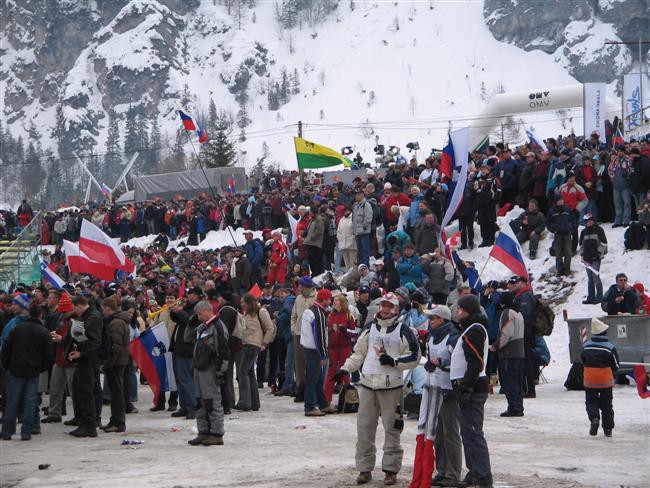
(321, 78)
(322, 114)
(371, 98)
(186, 99)
(213, 117)
(242, 117)
(58, 132)
(273, 96)
(219, 151)
(33, 170)
(242, 135)
(113, 157)
(295, 82)
(285, 89)
(155, 142)
(142, 163)
(178, 151)
(132, 140)
(55, 184)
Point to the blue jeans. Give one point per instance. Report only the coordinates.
(314, 380)
(249, 395)
(594, 286)
(184, 374)
(173, 232)
(363, 248)
(337, 259)
(289, 384)
(21, 390)
(622, 205)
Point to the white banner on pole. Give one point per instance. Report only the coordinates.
(594, 108)
(632, 103)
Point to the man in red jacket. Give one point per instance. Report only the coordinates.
(575, 198)
(279, 261)
(393, 197)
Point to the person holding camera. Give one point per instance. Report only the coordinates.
(385, 349)
(593, 246)
(470, 382)
(621, 298)
(210, 361)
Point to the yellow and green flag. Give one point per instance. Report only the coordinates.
(313, 156)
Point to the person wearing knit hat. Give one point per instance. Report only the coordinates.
(600, 360)
(19, 307)
(314, 342)
(470, 381)
(439, 413)
(62, 371)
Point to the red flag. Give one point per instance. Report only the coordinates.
(256, 291)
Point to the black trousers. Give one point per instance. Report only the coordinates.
(466, 224)
(477, 455)
(511, 381)
(115, 378)
(530, 370)
(487, 219)
(599, 402)
(315, 256)
(84, 384)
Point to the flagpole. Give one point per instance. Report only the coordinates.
(198, 159)
(483, 268)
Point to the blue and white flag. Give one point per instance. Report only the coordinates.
(535, 139)
(50, 276)
(457, 151)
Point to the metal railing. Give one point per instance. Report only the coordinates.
(17, 260)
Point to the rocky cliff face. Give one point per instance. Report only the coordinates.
(575, 31)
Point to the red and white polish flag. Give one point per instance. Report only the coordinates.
(98, 246)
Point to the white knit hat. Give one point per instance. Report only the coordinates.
(598, 326)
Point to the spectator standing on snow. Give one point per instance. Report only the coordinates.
(618, 170)
(600, 361)
(26, 352)
(621, 298)
(560, 221)
(305, 299)
(593, 246)
(210, 361)
(361, 226)
(524, 303)
(509, 346)
(469, 379)
(385, 349)
(486, 192)
(255, 252)
(643, 212)
(575, 198)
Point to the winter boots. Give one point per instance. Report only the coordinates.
(593, 429)
(364, 477)
(424, 463)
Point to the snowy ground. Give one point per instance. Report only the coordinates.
(278, 447)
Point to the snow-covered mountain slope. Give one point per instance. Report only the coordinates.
(398, 71)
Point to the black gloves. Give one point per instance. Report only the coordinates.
(338, 376)
(386, 360)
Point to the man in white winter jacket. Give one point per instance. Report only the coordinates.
(385, 348)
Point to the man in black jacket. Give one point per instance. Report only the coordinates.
(620, 298)
(468, 377)
(27, 351)
(486, 198)
(182, 352)
(593, 246)
(561, 221)
(84, 340)
(524, 303)
(529, 226)
(229, 315)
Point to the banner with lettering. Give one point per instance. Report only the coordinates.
(594, 108)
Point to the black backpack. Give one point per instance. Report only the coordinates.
(105, 351)
(348, 400)
(634, 237)
(575, 379)
(545, 318)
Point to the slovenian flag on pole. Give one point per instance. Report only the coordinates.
(457, 158)
(188, 122)
(507, 250)
(535, 139)
(150, 352)
(50, 276)
(232, 188)
(313, 156)
(203, 135)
